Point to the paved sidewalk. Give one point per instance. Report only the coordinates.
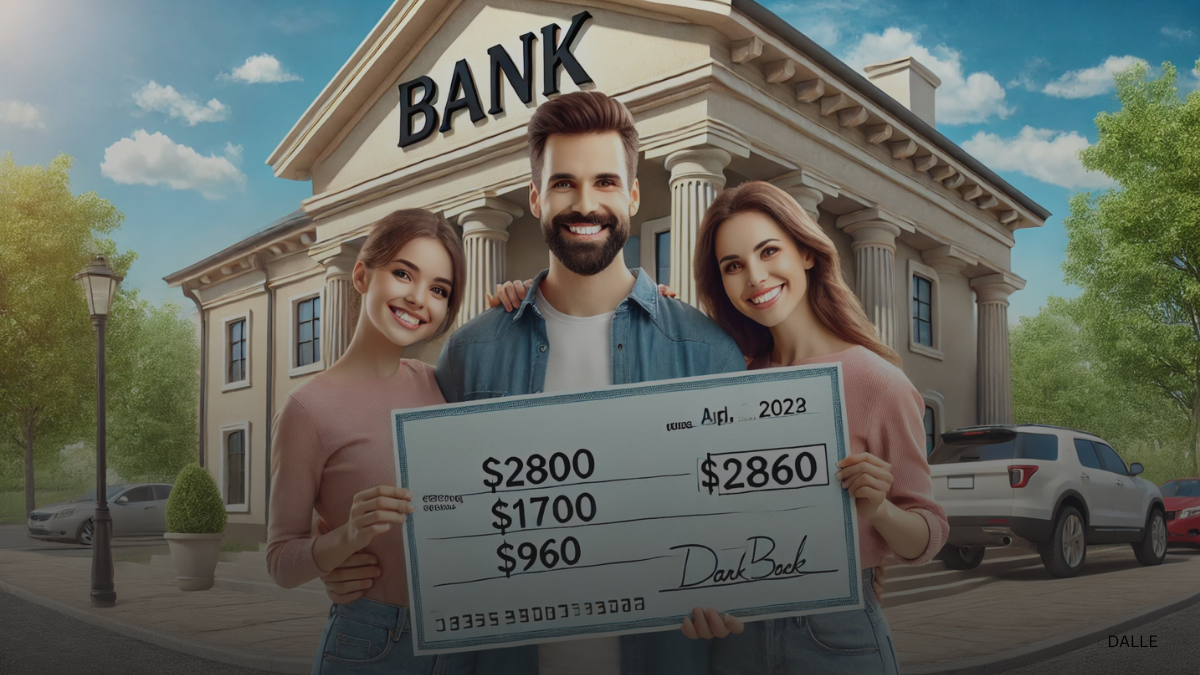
(1027, 616)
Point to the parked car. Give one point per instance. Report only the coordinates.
(136, 509)
(1182, 499)
(1061, 489)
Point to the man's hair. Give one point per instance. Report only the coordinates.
(577, 113)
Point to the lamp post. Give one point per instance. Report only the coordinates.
(99, 286)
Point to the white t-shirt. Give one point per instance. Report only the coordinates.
(580, 358)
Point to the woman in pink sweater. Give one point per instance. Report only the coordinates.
(768, 274)
(333, 449)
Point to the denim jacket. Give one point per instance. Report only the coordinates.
(653, 338)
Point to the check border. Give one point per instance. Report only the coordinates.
(832, 371)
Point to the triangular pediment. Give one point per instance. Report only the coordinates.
(352, 132)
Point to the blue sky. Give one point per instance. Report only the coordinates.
(170, 109)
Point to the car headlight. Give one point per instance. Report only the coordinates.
(64, 513)
(1188, 513)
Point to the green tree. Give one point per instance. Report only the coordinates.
(1135, 250)
(1060, 378)
(153, 389)
(47, 345)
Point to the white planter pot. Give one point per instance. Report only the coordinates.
(195, 557)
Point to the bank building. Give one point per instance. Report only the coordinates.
(431, 110)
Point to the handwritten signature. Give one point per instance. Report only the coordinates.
(702, 568)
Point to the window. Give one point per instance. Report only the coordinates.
(662, 257)
(140, 494)
(930, 436)
(161, 492)
(1086, 453)
(922, 312)
(304, 333)
(1001, 444)
(1110, 459)
(235, 466)
(924, 332)
(633, 253)
(237, 351)
(308, 329)
(236, 358)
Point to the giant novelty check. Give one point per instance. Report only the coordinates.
(566, 516)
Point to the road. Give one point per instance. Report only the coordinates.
(1177, 651)
(39, 641)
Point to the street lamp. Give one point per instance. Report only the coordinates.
(100, 285)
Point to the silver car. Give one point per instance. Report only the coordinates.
(136, 509)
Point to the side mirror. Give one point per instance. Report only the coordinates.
(1135, 468)
(123, 500)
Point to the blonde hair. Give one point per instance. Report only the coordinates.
(832, 301)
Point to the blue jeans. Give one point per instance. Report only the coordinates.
(854, 642)
(367, 637)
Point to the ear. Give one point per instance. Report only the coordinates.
(535, 206)
(359, 277)
(635, 197)
(807, 258)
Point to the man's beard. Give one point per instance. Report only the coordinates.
(583, 257)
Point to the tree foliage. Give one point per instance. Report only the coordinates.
(1059, 378)
(48, 345)
(1135, 250)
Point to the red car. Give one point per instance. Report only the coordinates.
(1182, 500)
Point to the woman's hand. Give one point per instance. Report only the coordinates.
(374, 511)
(665, 291)
(350, 580)
(709, 623)
(510, 294)
(868, 479)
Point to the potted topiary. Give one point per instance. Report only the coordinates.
(195, 526)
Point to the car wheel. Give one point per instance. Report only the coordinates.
(85, 533)
(962, 557)
(1152, 549)
(1063, 555)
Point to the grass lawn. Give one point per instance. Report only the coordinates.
(12, 503)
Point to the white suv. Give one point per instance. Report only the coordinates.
(1059, 488)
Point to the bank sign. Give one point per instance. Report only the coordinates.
(420, 96)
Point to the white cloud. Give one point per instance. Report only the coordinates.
(21, 114)
(1044, 154)
(157, 98)
(1090, 81)
(260, 69)
(826, 21)
(961, 98)
(154, 159)
(1177, 33)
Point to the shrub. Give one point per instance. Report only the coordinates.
(195, 505)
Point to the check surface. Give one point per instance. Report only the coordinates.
(575, 515)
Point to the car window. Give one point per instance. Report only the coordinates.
(1181, 488)
(1110, 458)
(162, 492)
(140, 494)
(1036, 446)
(1087, 454)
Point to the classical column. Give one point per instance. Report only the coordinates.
(994, 399)
(339, 309)
(484, 224)
(808, 190)
(697, 175)
(874, 248)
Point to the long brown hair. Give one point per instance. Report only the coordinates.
(832, 301)
(390, 233)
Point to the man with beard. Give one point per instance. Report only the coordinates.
(589, 322)
(586, 322)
